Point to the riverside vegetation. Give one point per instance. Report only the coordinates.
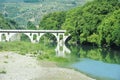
(39, 50)
(96, 23)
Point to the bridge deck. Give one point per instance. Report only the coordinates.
(32, 31)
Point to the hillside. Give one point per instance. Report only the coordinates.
(7, 23)
(23, 11)
(95, 23)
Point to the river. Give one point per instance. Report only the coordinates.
(101, 64)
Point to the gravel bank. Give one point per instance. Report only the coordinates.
(20, 67)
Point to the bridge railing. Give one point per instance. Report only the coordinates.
(32, 31)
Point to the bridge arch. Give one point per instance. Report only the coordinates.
(66, 39)
(39, 33)
(51, 37)
(42, 34)
(19, 36)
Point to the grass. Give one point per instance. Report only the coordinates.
(20, 47)
(41, 50)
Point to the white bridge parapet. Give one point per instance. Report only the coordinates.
(61, 49)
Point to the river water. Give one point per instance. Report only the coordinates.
(98, 69)
(101, 64)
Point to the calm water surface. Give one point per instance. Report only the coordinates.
(98, 63)
(98, 69)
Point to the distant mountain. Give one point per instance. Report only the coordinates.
(23, 11)
(32, 1)
(28, 1)
(11, 1)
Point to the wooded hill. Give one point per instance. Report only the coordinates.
(23, 11)
(96, 23)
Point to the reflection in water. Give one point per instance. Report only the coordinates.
(107, 66)
(109, 56)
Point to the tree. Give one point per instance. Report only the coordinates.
(82, 22)
(85, 23)
(109, 30)
(53, 21)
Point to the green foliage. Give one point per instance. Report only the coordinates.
(95, 22)
(20, 47)
(94, 38)
(53, 21)
(7, 24)
(82, 22)
(24, 38)
(31, 26)
(109, 30)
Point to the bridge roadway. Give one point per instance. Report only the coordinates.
(32, 31)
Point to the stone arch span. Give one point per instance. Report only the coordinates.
(61, 49)
(42, 34)
(13, 34)
(48, 39)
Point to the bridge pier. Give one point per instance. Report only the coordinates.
(39, 35)
(0, 37)
(61, 49)
(4, 37)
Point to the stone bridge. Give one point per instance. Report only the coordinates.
(61, 49)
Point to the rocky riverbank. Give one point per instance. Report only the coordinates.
(23, 67)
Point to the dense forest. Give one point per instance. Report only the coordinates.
(96, 23)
